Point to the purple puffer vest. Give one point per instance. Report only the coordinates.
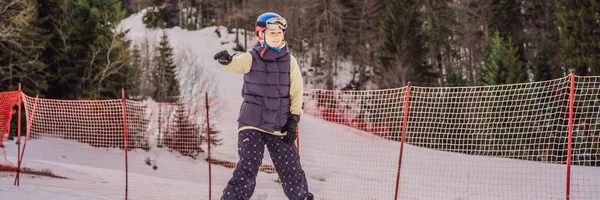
(266, 90)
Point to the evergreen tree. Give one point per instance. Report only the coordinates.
(153, 18)
(163, 14)
(360, 33)
(165, 81)
(21, 43)
(87, 56)
(542, 45)
(439, 19)
(404, 47)
(402, 58)
(133, 84)
(501, 64)
(541, 64)
(454, 77)
(506, 18)
(542, 40)
(490, 73)
(579, 25)
(186, 136)
(515, 70)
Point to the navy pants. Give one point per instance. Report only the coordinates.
(251, 147)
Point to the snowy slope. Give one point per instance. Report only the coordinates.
(335, 167)
(204, 43)
(340, 162)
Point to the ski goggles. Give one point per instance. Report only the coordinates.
(275, 23)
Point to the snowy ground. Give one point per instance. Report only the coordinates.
(340, 162)
(339, 165)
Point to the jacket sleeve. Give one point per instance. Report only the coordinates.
(240, 64)
(296, 87)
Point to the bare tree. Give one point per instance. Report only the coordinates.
(540, 27)
(147, 46)
(195, 82)
(137, 5)
(318, 38)
(19, 46)
(15, 16)
(471, 16)
(187, 13)
(194, 78)
(362, 34)
(110, 65)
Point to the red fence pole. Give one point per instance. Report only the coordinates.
(209, 160)
(19, 127)
(403, 138)
(126, 141)
(572, 103)
(17, 178)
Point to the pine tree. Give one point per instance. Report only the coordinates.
(454, 77)
(404, 47)
(164, 78)
(439, 19)
(542, 39)
(546, 64)
(506, 18)
(502, 66)
(186, 136)
(87, 56)
(133, 84)
(541, 63)
(515, 70)
(579, 25)
(21, 44)
(153, 18)
(501, 63)
(402, 57)
(471, 16)
(490, 73)
(360, 33)
(163, 14)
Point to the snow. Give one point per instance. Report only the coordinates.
(340, 162)
(8, 190)
(339, 165)
(204, 43)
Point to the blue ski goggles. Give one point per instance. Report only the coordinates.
(274, 23)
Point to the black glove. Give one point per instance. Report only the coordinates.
(290, 127)
(223, 57)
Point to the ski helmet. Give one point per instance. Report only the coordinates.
(269, 20)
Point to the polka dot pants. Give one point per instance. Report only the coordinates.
(251, 146)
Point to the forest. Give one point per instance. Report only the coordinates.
(72, 49)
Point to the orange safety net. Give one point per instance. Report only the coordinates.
(535, 140)
(8, 103)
